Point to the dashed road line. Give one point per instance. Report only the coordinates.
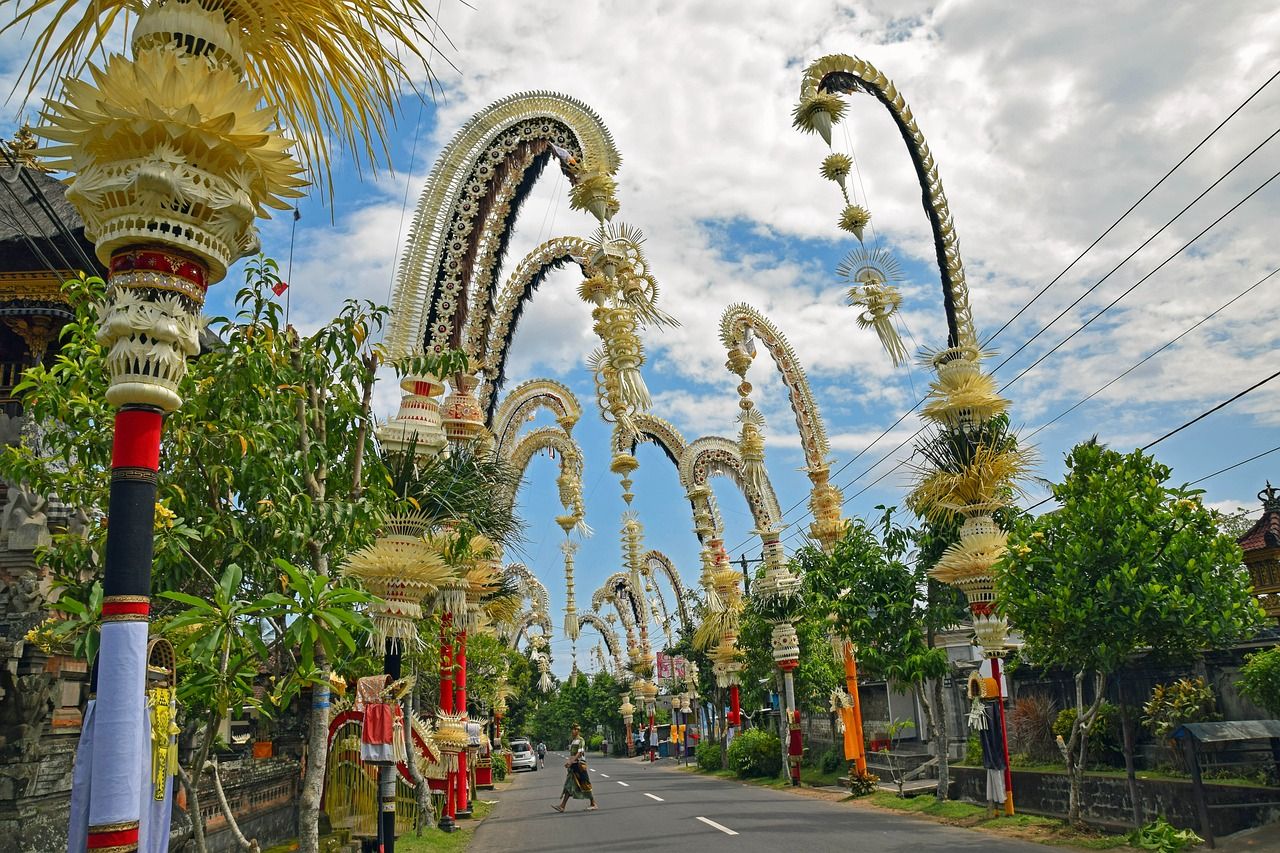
(652, 797)
(623, 784)
(711, 823)
(603, 776)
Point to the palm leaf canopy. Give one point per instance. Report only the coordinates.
(334, 69)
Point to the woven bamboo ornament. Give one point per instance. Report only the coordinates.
(874, 276)
(462, 417)
(451, 738)
(418, 423)
(401, 568)
(571, 627)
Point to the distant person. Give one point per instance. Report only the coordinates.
(542, 755)
(577, 781)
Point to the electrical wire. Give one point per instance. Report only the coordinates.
(1144, 244)
(1196, 420)
(1132, 207)
(1154, 353)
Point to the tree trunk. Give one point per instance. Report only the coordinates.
(317, 740)
(1076, 750)
(247, 845)
(193, 810)
(192, 782)
(1130, 739)
(943, 740)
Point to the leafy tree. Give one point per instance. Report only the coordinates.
(265, 459)
(1260, 680)
(875, 597)
(1127, 563)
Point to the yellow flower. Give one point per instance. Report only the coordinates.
(1038, 535)
(164, 517)
(1023, 550)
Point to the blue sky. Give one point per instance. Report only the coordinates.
(1047, 123)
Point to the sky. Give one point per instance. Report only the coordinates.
(1048, 122)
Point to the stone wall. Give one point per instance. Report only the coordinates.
(1105, 799)
(263, 795)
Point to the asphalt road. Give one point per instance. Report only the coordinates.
(662, 809)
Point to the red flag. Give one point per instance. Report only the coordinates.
(279, 287)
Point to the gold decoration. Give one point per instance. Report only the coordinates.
(597, 194)
(854, 218)
(836, 167)
(874, 274)
(330, 68)
(401, 568)
(816, 113)
(167, 149)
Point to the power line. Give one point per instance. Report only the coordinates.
(1206, 414)
(1195, 420)
(1142, 246)
(1154, 353)
(1140, 281)
(1236, 465)
(1132, 207)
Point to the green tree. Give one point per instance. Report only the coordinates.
(265, 459)
(877, 601)
(1126, 563)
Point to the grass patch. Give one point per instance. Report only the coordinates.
(950, 809)
(1046, 830)
(434, 841)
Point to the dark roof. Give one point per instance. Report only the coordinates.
(1233, 730)
(1265, 533)
(22, 221)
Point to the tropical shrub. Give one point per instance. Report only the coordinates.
(1187, 700)
(973, 751)
(595, 742)
(756, 753)
(1105, 744)
(1260, 680)
(708, 754)
(832, 760)
(861, 784)
(1031, 727)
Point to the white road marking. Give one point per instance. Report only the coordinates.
(623, 784)
(711, 823)
(602, 776)
(652, 797)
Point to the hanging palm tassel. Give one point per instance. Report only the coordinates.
(879, 304)
(874, 275)
(751, 448)
(836, 168)
(640, 292)
(571, 626)
(626, 355)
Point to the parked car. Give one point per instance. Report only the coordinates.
(523, 756)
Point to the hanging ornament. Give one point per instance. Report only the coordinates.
(854, 218)
(596, 193)
(874, 275)
(836, 167)
(817, 112)
(400, 568)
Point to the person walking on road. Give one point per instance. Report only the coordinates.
(577, 781)
(542, 755)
